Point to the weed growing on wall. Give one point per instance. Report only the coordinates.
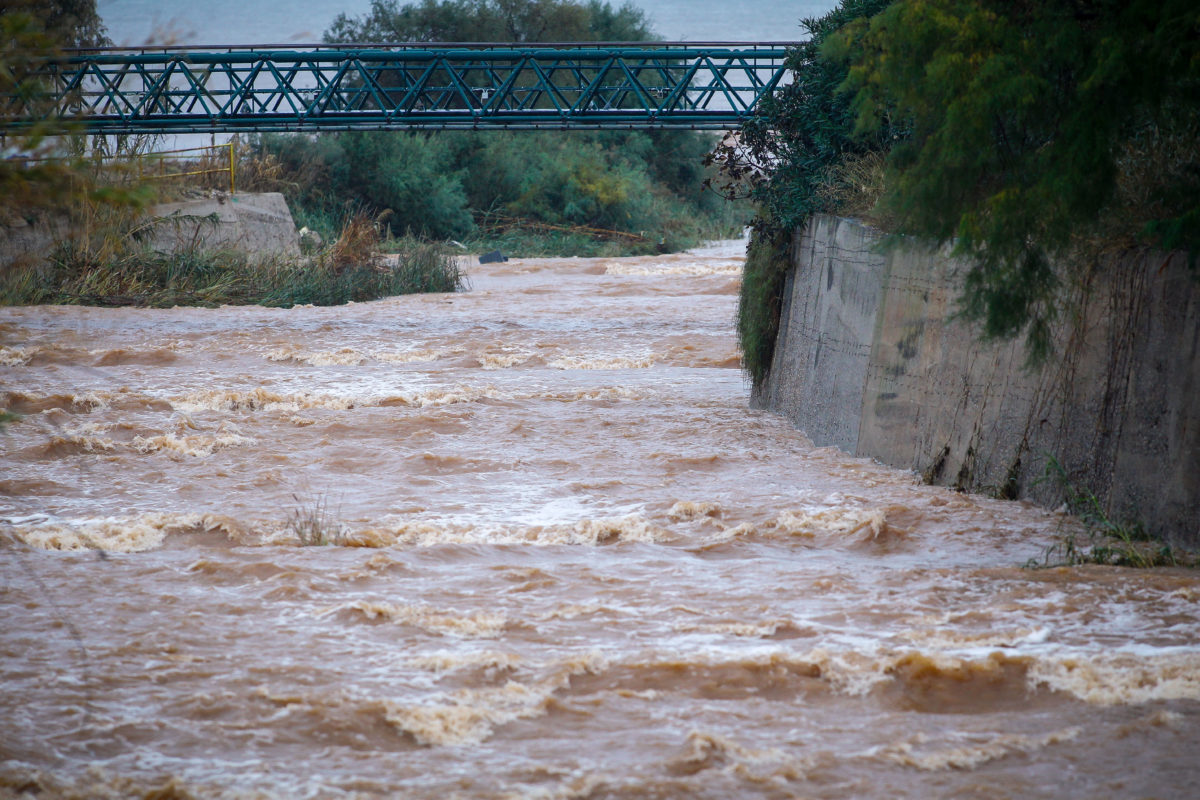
(1102, 540)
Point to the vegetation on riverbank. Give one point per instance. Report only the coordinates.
(1046, 144)
(113, 268)
(788, 160)
(567, 193)
(90, 195)
(527, 194)
(768, 260)
(1035, 138)
(563, 192)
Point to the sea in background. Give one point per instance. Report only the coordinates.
(139, 22)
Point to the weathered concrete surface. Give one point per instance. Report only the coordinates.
(828, 324)
(1119, 406)
(259, 223)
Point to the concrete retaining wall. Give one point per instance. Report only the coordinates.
(869, 359)
(255, 222)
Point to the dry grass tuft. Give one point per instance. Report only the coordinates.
(854, 186)
(313, 524)
(357, 245)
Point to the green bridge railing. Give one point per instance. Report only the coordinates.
(713, 86)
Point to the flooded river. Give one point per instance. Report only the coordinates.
(572, 565)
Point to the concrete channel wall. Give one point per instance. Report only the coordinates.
(870, 359)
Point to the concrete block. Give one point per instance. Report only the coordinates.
(258, 223)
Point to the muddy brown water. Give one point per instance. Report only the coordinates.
(574, 565)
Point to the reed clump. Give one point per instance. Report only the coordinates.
(314, 524)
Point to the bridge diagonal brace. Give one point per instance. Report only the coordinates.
(680, 92)
(284, 91)
(586, 98)
(241, 90)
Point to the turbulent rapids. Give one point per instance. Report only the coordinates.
(568, 563)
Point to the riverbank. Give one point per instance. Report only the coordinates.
(212, 250)
(231, 277)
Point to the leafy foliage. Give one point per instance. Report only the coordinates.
(760, 300)
(1034, 134)
(42, 169)
(74, 23)
(792, 147)
(1027, 121)
(28, 184)
(492, 21)
(439, 185)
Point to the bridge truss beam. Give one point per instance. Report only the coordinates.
(711, 86)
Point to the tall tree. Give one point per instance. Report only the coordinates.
(800, 135)
(68, 23)
(33, 34)
(492, 21)
(782, 159)
(1032, 123)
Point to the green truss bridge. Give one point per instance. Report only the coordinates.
(700, 85)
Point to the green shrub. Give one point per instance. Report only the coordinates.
(442, 186)
(786, 155)
(1028, 124)
(761, 300)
